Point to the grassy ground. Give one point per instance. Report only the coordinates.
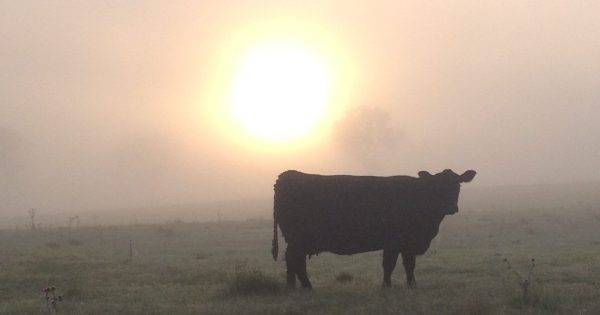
(210, 268)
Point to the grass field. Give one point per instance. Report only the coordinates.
(226, 268)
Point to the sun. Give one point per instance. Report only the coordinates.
(280, 91)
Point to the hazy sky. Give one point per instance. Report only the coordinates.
(102, 102)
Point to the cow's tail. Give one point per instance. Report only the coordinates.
(275, 244)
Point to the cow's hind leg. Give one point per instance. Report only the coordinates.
(291, 266)
(296, 266)
(302, 275)
(295, 259)
(390, 257)
(409, 261)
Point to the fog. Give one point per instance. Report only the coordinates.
(101, 102)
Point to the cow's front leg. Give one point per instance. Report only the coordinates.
(390, 257)
(409, 261)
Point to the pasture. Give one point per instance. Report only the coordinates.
(226, 268)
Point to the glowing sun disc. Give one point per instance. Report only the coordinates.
(280, 92)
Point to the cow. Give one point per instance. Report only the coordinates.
(346, 215)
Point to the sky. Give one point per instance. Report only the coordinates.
(115, 104)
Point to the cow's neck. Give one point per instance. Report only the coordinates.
(433, 224)
(436, 220)
(430, 230)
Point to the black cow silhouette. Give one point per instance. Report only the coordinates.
(347, 215)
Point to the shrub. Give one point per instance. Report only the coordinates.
(473, 308)
(344, 277)
(52, 245)
(75, 243)
(253, 282)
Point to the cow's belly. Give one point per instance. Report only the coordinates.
(353, 250)
(348, 244)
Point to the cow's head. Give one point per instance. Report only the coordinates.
(441, 190)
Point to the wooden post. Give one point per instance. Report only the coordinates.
(32, 217)
(130, 251)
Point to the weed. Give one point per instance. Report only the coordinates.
(52, 300)
(524, 281)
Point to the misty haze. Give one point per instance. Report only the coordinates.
(144, 147)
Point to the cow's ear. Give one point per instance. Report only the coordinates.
(424, 174)
(467, 176)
